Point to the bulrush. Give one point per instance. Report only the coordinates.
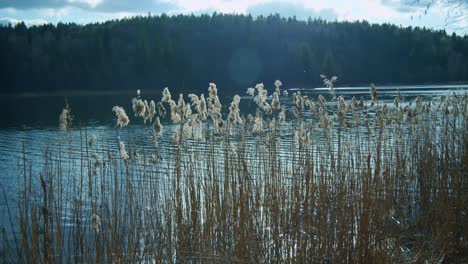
(275, 103)
(278, 84)
(341, 109)
(181, 103)
(304, 136)
(122, 118)
(440, 100)
(122, 152)
(192, 121)
(272, 124)
(161, 109)
(166, 95)
(197, 104)
(296, 112)
(361, 102)
(157, 127)
(396, 101)
(313, 107)
(272, 190)
(65, 119)
(384, 111)
(251, 91)
(214, 108)
(138, 107)
(321, 101)
(260, 99)
(341, 104)
(324, 120)
(202, 113)
(373, 93)
(329, 83)
(298, 100)
(214, 105)
(307, 101)
(261, 96)
(187, 111)
(234, 110)
(258, 125)
(267, 109)
(353, 104)
(212, 90)
(194, 99)
(176, 118)
(151, 112)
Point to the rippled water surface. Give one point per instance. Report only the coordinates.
(29, 126)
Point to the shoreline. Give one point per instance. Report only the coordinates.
(76, 93)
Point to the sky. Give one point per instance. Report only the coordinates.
(399, 12)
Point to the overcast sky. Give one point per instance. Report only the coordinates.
(86, 11)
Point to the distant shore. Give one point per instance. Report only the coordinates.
(62, 93)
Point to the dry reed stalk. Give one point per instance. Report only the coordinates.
(375, 186)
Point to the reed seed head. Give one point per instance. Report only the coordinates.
(161, 109)
(166, 95)
(157, 127)
(275, 103)
(122, 152)
(234, 110)
(65, 118)
(373, 93)
(258, 125)
(122, 118)
(278, 84)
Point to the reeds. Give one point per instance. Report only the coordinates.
(383, 184)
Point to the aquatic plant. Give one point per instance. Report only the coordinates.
(329, 83)
(122, 118)
(302, 180)
(65, 118)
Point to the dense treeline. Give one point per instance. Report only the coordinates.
(235, 51)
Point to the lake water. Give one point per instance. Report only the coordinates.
(30, 125)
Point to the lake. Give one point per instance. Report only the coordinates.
(30, 126)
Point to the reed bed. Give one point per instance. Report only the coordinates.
(296, 180)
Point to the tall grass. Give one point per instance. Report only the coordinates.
(296, 180)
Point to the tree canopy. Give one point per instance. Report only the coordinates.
(186, 52)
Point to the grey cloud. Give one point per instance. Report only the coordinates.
(31, 4)
(418, 5)
(289, 10)
(7, 21)
(403, 6)
(155, 6)
(136, 6)
(28, 23)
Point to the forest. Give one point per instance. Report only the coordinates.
(186, 52)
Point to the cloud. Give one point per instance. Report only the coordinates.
(155, 6)
(29, 23)
(31, 4)
(404, 6)
(286, 9)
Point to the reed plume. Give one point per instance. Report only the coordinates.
(65, 118)
(122, 118)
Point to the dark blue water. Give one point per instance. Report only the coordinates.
(29, 127)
